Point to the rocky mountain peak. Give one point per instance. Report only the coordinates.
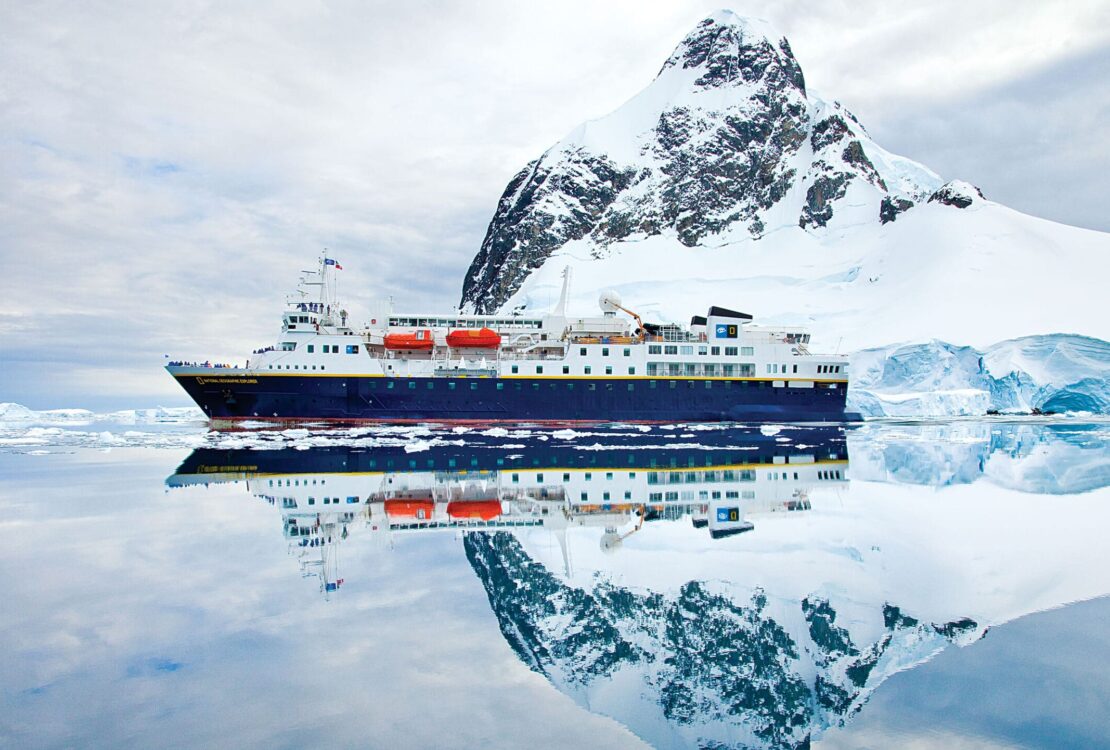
(726, 48)
(724, 145)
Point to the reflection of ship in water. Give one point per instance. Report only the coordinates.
(722, 480)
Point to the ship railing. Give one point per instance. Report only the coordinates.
(465, 372)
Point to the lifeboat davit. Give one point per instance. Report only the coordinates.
(418, 508)
(418, 341)
(474, 338)
(487, 510)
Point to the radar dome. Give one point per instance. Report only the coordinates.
(609, 301)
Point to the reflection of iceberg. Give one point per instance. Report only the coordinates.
(1047, 459)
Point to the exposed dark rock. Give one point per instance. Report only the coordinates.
(830, 130)
(891, 207)
(824, 190)
(853, 154)
(956, 193)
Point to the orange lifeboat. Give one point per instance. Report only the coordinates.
(486, 510)
(409, 342)
(474, 338)
(420, 509)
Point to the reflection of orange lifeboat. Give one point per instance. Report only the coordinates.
(483, 509)
(474, 338)
(418, 508)
(418, 341)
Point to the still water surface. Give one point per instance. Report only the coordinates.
(934, 585)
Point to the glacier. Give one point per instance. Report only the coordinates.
(1034, 374)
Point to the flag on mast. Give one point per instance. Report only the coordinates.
(330, 262)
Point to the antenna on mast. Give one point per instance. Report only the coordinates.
(561, 308)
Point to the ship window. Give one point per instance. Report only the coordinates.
(686, 350)
(412, 384)
(535, 386)
(631, 370)
(589, 476)
(655, 349)
(582, 351)
(795, 368)
(450, 385)
(500, 386)
(566, 477)
(819, 369)
(269, 367)
(628, 352)
(321, 367)
(310, 348)
(673, 384)
(709, 384)
(631, 386)
(515, 369)
(473, 386)
(605, 351)
(314, 367)
(570, 386)
(389, 385)
(352, 349)
(715, 351)
(566, 370)
(670, 350)
(539, 369)
(288, 346)
(608, 370)
(585, 496)
(592, 386)
(747, 351)
(516, 477)
(702, 350)
(586, 369)
(604, 495)
(431, 385)
(296, 367)
(653, 384)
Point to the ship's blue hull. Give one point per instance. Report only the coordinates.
(233, 396)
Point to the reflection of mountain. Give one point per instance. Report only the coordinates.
(1053, 459)
(706, 665)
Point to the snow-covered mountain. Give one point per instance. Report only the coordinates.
(726, 181)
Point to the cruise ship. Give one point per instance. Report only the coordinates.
(554, 367)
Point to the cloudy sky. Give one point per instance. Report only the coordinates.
(166, 170)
